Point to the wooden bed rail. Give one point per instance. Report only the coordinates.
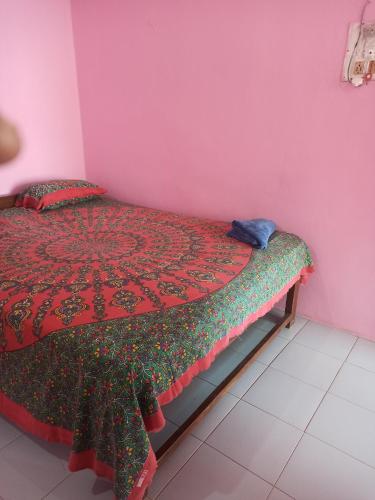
(286, 321)
(7, 201)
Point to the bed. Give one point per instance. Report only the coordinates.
(108, 310)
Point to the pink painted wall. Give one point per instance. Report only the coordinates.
(38, 90)
(235, 109)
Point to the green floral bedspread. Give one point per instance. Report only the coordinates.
(102, 379)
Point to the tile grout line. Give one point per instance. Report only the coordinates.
(287, 462)
(239, 399)
(57, 485)
(278, 354)
(282, 371)
(282, 491)
(337, 328)
(341, 451)
(23, 434)
(230, 411)
(321, 352)
(218, 451)
(331, 384)
(351, 402)
(299, 440)
(240, 465)
(251, 385)
(202, 442)
(298, 331)
(319, 405)
(11, 442)
(261, 409)
(179, 470)
(273, 486)
(321, 440)
(216, 426)
(293, 425)
(314, 350)
(325, 392)
(359, 366)
(345, 361)
(291, 376)
(304, 432)
(289, 341)
(275, 416)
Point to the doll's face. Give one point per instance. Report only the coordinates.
(9, 141)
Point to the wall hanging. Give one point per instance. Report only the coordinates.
(359, 63)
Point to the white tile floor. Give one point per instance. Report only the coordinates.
(299, 423)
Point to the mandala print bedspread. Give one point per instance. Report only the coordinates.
(104, 306)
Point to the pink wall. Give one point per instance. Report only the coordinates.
(38, 90)
(235, 109)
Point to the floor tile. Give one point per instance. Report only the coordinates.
(310, 366)
(256, 440)
(277, 311)
(28, 465)
(172, 463)
(268, 321)
(192, 396)
(363, 354)
(317, 471)
(159, 438)
(208, 475)
(14, 483)
(8, 432)
(222, 366)
(336, 343)
(347, 427)
(247, 378)
(285, 397)
(290, 333)
(355, 384)
(246, 342)
(276, 494)
(215, 415)
(82, 485)
(271, 350)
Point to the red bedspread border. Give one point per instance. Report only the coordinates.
(204, 363)
(87, 459)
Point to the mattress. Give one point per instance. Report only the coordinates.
(107, 310)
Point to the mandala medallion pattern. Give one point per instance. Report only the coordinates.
(106, 260)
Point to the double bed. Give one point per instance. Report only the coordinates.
(108, 310)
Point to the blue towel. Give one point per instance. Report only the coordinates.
(257, 232)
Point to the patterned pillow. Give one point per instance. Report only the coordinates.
(55, 194)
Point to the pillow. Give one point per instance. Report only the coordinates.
(57, 193)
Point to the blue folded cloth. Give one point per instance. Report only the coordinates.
(257, 232)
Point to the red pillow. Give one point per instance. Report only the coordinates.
(55, 194)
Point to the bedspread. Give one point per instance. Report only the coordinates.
(107, 310)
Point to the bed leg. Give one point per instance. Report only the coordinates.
(291, 303)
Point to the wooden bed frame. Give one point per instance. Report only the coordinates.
(7, 201)
(285, 321)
